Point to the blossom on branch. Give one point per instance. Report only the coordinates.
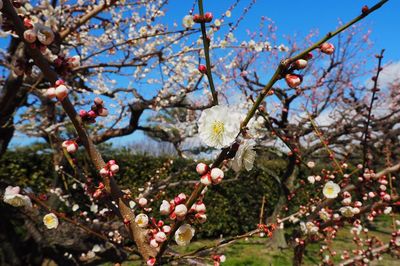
(184, 234)
(219, 126)
(331, 190)
(50, 220)
(245, 156)
(13, 197)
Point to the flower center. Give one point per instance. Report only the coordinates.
(329, 190)
(218, 128)
(184, 235)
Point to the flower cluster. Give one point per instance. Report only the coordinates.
(60, 91)
(158, 232)
(13, 197)
(176, 208)
(65, 64)
(38, 35)
(110, 169)
(207, 176)
(219, 127)
(206, 18)
(97, 109)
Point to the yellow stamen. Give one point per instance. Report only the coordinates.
(218, 128)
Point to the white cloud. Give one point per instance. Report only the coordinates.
(389, 74)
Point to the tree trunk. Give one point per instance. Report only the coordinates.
(11, 98)
(278, 240)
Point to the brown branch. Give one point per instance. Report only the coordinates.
(136, 233)
(374, 90)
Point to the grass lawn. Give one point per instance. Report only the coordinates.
(252, 252)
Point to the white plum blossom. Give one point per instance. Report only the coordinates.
(347, 211)
(187, 21)
(75, 207)
(245, 156)
(311, 164)
(219, 126)
(13, 197)
(160, 236)
(50, 220)
(142, 220)
(324, 215)
(184, 234)
(311, 179)
(309, 228)
(331, 190)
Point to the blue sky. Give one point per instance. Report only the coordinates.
(295, 17)
(299, 17)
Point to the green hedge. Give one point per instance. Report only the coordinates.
(232, 207)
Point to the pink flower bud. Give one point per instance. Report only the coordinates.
(51, 93)
(142, 202)
(30, 36)
(200, 207)
(98, 101)
(70, 145)
(206, 179)
(300, 64)
(154, 244)
(182, 196)
(165, 208)
(166, 229)
(92, 114)
(180, 210)
(59, 82)
(114, 168)
(83, 113)
(201, 168)
(97, 194)
(293, 80)
(197, 18)
(61, 92)
(160, 237)
(201, 217)
(327, 48)
(202, 69)
(104, 172)
(177, 200)
(151, 261)
(74, 62)
(371, 194)
(27, 23)
(208, 17)
(216, 175)
(111, 162)
(172, 216)
(72, 148)
(386, 197)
